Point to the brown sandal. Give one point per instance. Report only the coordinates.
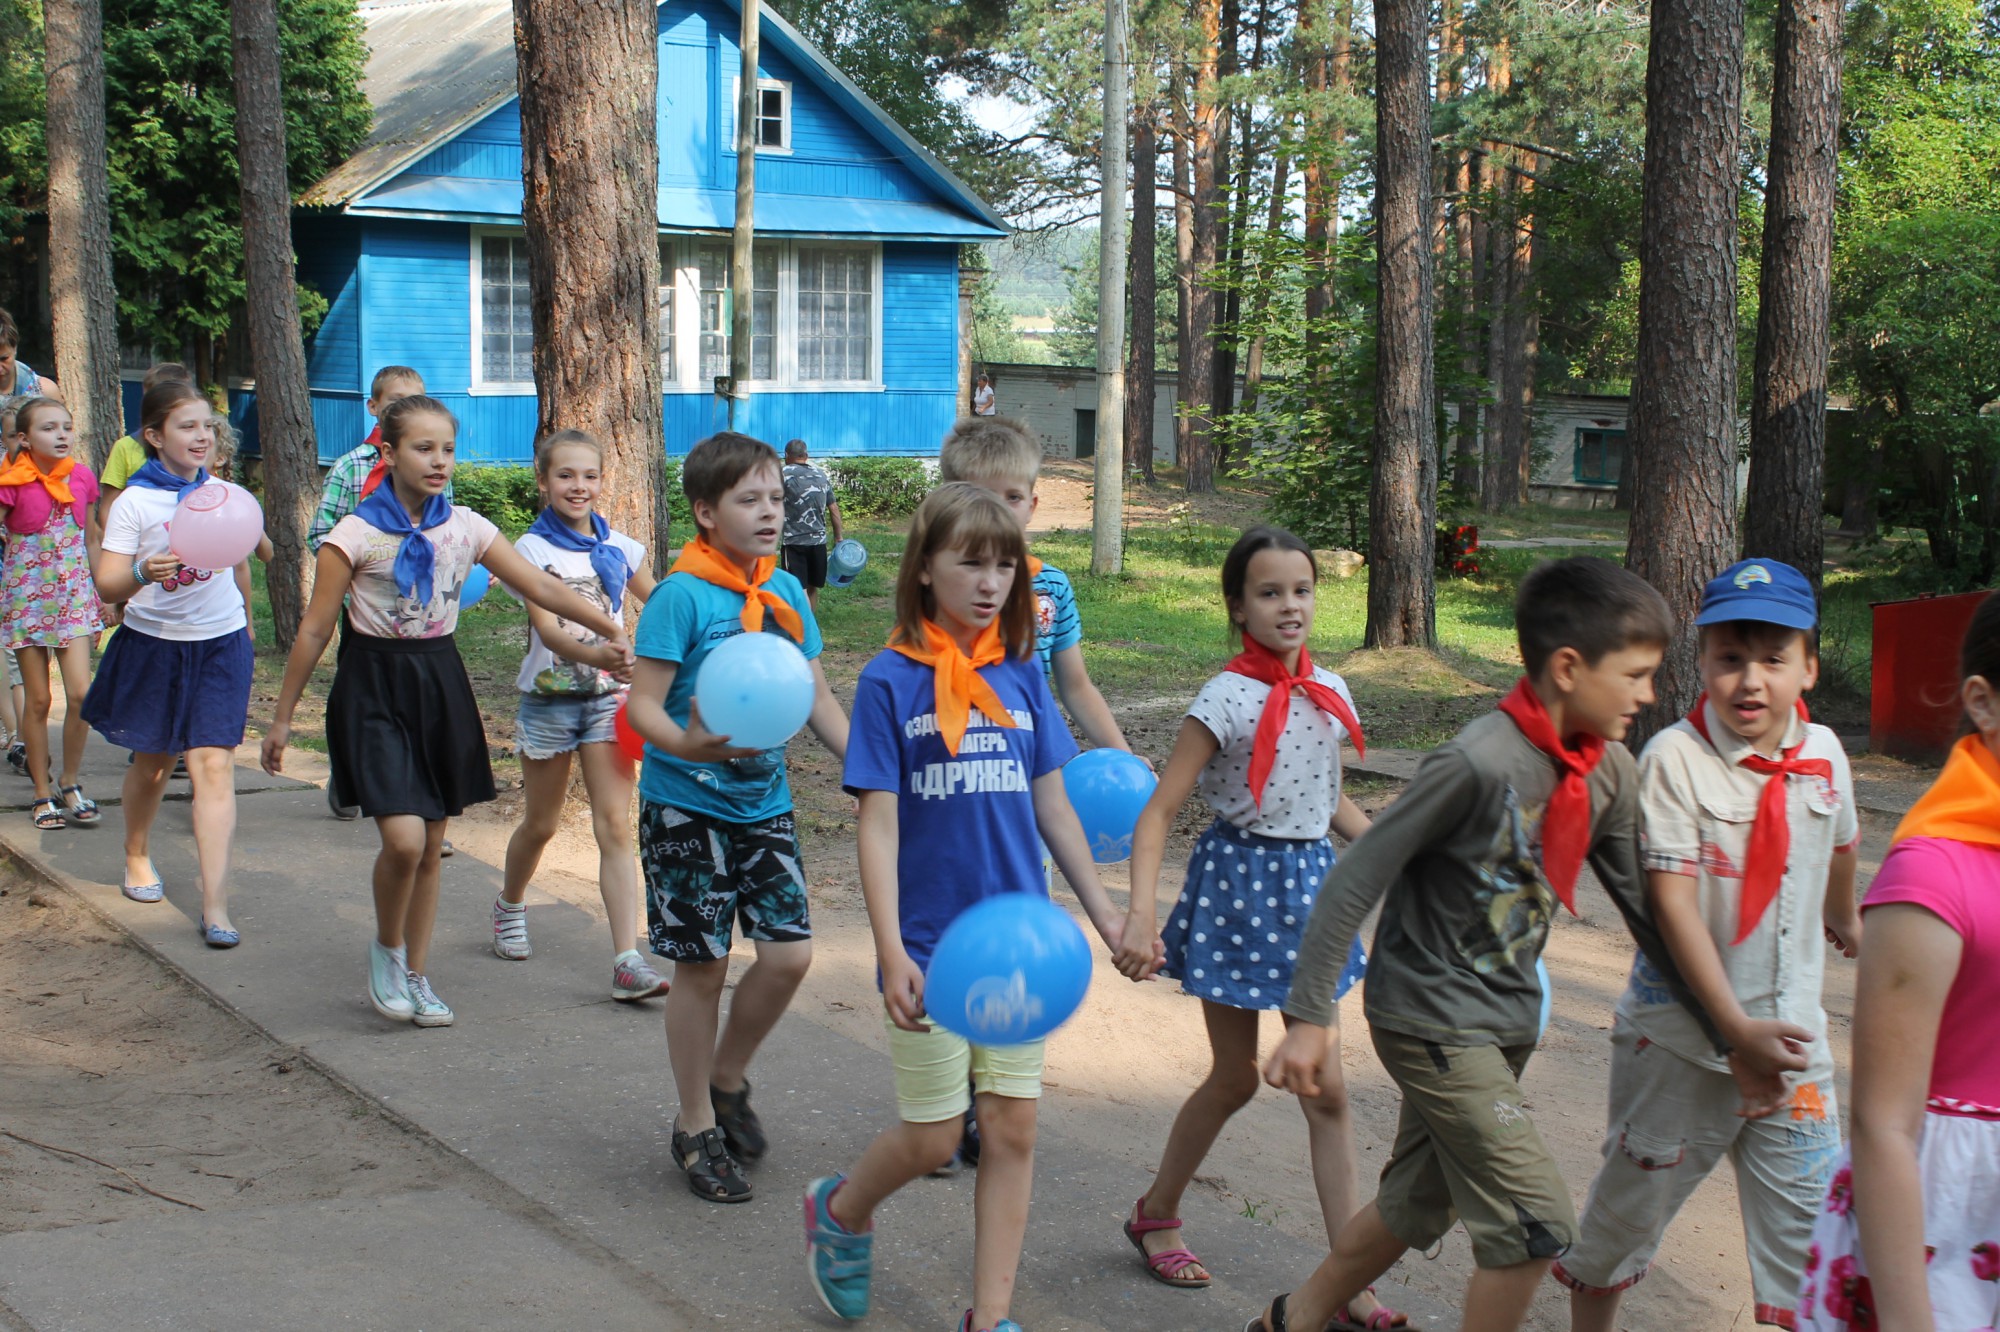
(1169, 1266)
(1272, 1319)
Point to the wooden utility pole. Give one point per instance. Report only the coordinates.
(285, 434)
(1107, 502)
(742, 259)
(590, 170)
(1143, 367)
(83, 301)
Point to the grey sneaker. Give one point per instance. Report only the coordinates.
(633, 978)
(345, 813)
(388, 989)
(429, 1010)
(510, 931)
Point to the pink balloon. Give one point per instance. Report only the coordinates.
(216, 526)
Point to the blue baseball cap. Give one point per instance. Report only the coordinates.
(1761, 590)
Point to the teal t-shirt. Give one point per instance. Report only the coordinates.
(683, 621)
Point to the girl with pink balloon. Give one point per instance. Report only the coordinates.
(573, 685)
(402, 725)
(48, 604)
(175, 678)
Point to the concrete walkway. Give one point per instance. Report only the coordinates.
(562, 1099)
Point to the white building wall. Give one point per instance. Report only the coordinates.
(1046, 398)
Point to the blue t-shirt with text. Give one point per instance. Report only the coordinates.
(965, 824)
(683, 621)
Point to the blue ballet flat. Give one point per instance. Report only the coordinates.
(145, 892)
(217, 937)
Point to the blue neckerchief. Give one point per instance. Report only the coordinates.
(155, 476)
(416, 558)
(606, 560)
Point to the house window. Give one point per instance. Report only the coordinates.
(665, 292)
(1600, 456)
(506, 326)
(836, 314)
(774, 114)
(717, 306)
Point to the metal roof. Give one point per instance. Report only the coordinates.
(437, 66)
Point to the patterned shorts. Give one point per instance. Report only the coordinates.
(703, 874)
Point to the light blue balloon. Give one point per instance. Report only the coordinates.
(474, 587)
(1010, 969)
(1108, 788)
(757, 689)
(1548, 996)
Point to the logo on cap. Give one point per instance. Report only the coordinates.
(1755, 573)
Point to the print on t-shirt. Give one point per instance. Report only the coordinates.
(969, 773)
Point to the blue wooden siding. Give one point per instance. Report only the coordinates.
(920, 316)
(417, 293)
(329, 250)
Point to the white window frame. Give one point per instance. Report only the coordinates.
(480, 384)
(782, 86)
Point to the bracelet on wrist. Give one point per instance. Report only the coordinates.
(139, 573)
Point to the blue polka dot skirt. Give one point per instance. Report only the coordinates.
(1233, 937)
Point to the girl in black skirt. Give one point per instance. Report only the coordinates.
(402, 727)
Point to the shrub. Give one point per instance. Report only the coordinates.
(881, 487)
(505, 495)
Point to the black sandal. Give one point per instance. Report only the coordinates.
(741, 1129)
(1275, 1314)
(712, 1173)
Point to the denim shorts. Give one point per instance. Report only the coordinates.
(550, 725)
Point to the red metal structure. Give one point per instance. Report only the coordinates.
(1913, 706)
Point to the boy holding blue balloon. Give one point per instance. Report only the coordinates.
(717, 840)
(956, 756)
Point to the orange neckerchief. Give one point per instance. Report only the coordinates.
(1963, 804)
(1034, 567)
(702, 560)
(959, 686)
(23, 472)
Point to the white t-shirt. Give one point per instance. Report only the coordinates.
(194, 605)
(375, 605)
(542, 671)
(1304, 784)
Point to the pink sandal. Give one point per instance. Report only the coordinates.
(1384, 1317)
(1169, 1266)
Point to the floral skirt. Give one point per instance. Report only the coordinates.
(1959, 1162)
(47, 596)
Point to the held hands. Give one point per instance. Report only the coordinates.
(1295, 1065)
(1765, 1050)
(903, 992)
(1136, 947)
(275, 741)
(613, 661)
(698, 744)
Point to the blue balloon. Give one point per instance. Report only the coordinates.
(1548, 996)
(1108, 788)
(1354, 972)
(757, 689)
(1010, 969)
(474, 587)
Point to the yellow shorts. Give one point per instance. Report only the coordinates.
(935, 1067)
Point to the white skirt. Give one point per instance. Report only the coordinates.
(1958, 1159)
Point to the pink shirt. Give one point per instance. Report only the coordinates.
(1960, 884)
(29, 507)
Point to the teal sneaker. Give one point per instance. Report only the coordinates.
(1004, 1325)
(839, 1262)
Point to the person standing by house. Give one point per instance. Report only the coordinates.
(811, 509)
(17, 379)
(983, 403)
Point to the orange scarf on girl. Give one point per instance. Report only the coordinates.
(1963, 804)
(958, 684)
(23, 471)
(702, 560)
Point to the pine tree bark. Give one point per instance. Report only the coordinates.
(1141, 351)
(1523, 339)
(1684, 389)
(590, 166)
(1465, 241)
(1183, 271)
(1402, 494)
(1502, 288)
(1786, 495)
(1325, 40)
(285, 434)
(1205, 157)
(83, 302)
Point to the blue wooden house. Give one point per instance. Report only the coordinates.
(417, 244)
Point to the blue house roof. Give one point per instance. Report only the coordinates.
(446, 143)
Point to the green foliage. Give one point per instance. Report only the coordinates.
(994, 341)
(505, 495)
(879, 487)
(23, 155)
(1075, 338)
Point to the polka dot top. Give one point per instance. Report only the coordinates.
(1304, 785)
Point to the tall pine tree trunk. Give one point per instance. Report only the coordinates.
(1402, 493)
(1787, 487)
(1141, 347)
(1183, 273)
(1325, 40)
(1465, 242)
(285, 432)
(1205, 155)
(1523, 339)
(83, 301)
(1281, 184)
(1684, 391)
(590, 169)
(1502, 288)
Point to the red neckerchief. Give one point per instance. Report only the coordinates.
(957, 685)
(1259, 663)
(380, 467)
(1771, 835)
(1566, 821)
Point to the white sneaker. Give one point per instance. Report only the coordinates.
(388, 988)
(431, 1011)
(510, 930)
(633, 979)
